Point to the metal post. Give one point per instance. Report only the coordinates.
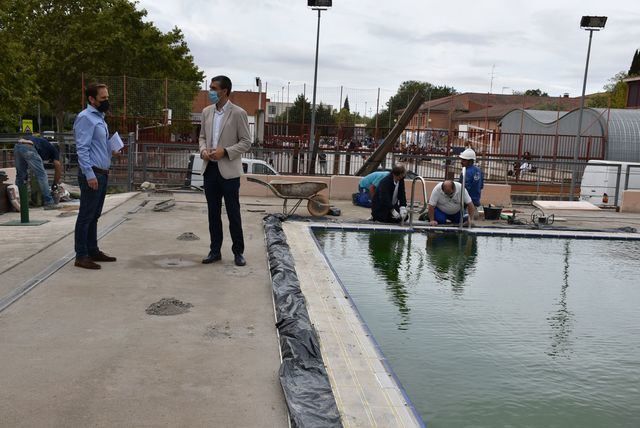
(24, 203)
(130, 160)
(287, 107)
(574, 174)
(462, 189)
(312, 131)
(124, 103)
(617, 192)
(259, 124)
(377, 110)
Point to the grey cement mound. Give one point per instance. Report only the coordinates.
(188, 236)
(168, 306)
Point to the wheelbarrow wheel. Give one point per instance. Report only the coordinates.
(318, 205)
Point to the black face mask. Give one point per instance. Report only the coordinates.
(103, 106)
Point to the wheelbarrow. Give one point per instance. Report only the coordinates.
(318, 205)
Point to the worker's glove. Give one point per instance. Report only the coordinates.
(403, 212)
(395, 214)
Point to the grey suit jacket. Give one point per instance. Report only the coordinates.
(234, 137)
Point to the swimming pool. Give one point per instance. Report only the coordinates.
(491, 331)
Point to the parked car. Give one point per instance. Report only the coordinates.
(249, 166)
(49, 135)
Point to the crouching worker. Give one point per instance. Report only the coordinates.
(389, 203)
(444, 204)
(367, 188)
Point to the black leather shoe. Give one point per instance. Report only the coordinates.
(212, 257)
(102, 257)
(239, 260)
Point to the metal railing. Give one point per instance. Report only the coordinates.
(168, 164)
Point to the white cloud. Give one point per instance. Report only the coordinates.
(366, 44)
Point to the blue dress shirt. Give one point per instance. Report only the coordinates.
(92, 141)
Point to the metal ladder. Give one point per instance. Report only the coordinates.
(413, 210)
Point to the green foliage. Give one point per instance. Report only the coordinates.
(600, 100)
(65, 38)
(403, 96)
(634, 70)
(301, 108)
(345, 118)
(535, 93)
(346, 103)
(615, 95)
(531, 93)
(617, 90)
(17, 75)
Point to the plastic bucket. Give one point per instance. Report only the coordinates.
(492, 213)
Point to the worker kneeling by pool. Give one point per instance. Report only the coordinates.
(389, 204)
(444, 203)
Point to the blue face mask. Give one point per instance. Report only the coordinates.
(213, 97)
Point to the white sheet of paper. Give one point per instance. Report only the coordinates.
(116, 142)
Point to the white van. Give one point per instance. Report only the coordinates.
(249, 166)
(600, 178)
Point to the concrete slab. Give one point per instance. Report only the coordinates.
(365, 392)
(80, 350)
(565, 205)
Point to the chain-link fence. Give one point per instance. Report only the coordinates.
(168, 165)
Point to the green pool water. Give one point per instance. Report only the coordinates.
(501, 331)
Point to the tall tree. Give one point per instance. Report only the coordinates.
(634, 70)
(404, 94)
(299, 108)
(346, 103)
(17, 74)
(535, 93)
(531, 93)
(66, 38)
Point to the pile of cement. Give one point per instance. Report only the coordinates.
(188, 236)
(169, 306)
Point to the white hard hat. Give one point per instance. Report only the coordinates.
(468, 154)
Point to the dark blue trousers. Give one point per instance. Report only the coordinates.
(91, 202)
(216, 188)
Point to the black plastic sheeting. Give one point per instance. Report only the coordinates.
(303, 376)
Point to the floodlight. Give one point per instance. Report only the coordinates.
(319, 3)
(593, 22)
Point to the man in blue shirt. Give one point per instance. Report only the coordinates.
(367, 187)
(29, 153)
(94, 158)
(474, 179)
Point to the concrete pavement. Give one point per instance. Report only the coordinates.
(79, 350)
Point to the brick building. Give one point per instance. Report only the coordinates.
(633, 92)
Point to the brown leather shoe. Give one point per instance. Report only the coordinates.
(86, 263)
(102, 257)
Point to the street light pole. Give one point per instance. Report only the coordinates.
(312, 131)
(591, 24)
(287, 108)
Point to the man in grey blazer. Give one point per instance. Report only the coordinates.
(224, 137)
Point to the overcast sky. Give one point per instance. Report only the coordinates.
(369, 44)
